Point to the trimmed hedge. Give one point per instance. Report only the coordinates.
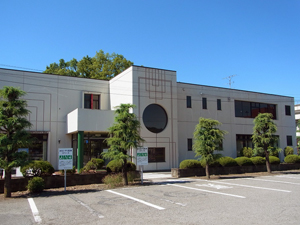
(274, 160)
(94, 164)
(247, 152)
(243, 161)
(227, 161)
(116, 166)
(258, 160)
(190, 163)
(292, 159)
(37, 169)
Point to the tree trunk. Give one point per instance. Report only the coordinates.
(124, 172)
(268, 162)
(207, 171)
(7, 184)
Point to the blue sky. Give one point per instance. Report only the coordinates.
(204, 41)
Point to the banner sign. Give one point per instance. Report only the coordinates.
(65, 158)
(142, 156)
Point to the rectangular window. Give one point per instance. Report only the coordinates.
(219, 106)
(287, 110)
(91, 101)
(252, 109)
(289, 140)
(204, 103)
(156, 155)
(190, 144)
(188, 101)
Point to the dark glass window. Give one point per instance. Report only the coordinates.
(252, 109)
(219, 106)
(188, 101)
(91, 101)
(155, 118)
(288, 110)
(204, 103)
(156, 155)
(289, 140)
(190, 144)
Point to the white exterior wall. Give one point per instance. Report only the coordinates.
(50, 98)
(155, 86)
(188, 118)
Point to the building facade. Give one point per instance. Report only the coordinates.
(77, 112)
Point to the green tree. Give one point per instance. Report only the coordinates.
(103, 66)
(263, 134)
(124, 135)
(12, 132)
(207, 139)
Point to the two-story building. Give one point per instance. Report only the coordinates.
(77, 112)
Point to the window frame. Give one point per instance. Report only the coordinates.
(245, 109)
(288, 110)
(289, 140)
(204, 103)
(89, 101)
(190, 144)
(189, 101)
(219, 104)
(153, 156)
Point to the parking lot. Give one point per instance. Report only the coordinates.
(235, 200)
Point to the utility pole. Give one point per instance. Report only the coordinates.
(229, 79)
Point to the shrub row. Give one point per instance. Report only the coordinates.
(240, 161)
(116, 166)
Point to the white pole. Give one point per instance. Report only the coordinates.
(142, 174)
(65, 179)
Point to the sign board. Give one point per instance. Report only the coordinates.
(65, 158)
(142, 156)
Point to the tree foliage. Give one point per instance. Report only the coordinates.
(13, 135)
(124, 135)
(263, 134)
(207, 139)
(103, 66)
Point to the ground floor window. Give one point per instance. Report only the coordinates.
(38, 147)
(94, 145)
(243, 140)
(156, 155)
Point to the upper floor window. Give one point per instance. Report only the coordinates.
(219, 106)
(204, 103)
(188, 101)
(287, 110)
(91, 101)
(289, 140)
(190, 144)
(252, 109)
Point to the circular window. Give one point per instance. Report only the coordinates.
(155, 118)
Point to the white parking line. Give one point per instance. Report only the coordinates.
(34, 210)
(248, 186)
(285, 176)
(275, 181)
(86, 206)
(138, 200)
(197, 189)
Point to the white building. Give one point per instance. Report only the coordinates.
(76, 112)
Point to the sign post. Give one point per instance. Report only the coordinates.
(65, 161)
(142, 159)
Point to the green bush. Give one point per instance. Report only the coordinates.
(116, 166)
(37, 168)
(227, 161)
(274, 151)
(247, 152)
(113, 180)
(93, 164)
(190, 163)
(243, 161)
(258, 160)
(36, 185)
(292, 159)
(274, 160)
(288, 151)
